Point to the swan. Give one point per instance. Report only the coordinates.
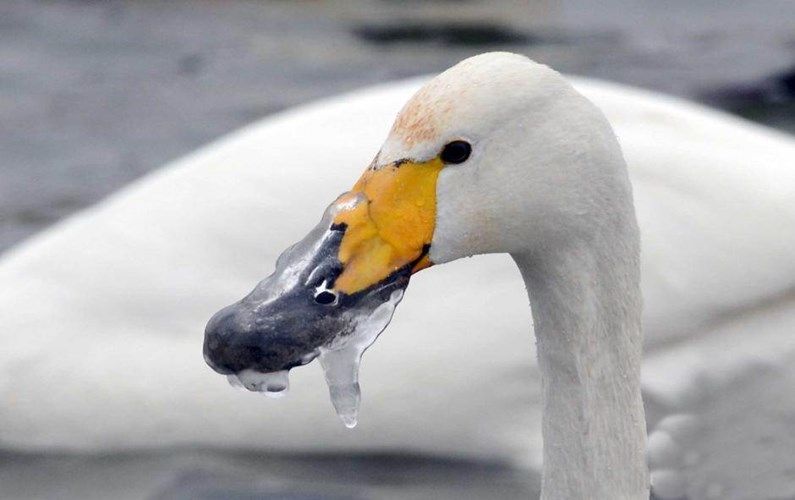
(495, 155)
(102, 314)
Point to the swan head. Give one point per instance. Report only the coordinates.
(496, 154)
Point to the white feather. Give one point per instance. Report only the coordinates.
(103, 314)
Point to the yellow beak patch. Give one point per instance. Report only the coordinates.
(393, 228)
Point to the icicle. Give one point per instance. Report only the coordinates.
(341, 368)
(341, 360)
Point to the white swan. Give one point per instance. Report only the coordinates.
(102, 315)
(495, 155)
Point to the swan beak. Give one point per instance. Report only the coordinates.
(388, 219)
(363, 251)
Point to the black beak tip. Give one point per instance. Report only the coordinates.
(217, 334)
(232, 344)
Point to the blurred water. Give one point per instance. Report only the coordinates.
(95, 94)
(209, 475)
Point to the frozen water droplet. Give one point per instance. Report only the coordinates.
(341, 368)
(276, 394)
(274, 384)
(341, 360)
(350, 421)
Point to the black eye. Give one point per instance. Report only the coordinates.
(326, 298)
(456, 152)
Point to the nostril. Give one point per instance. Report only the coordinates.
(326, 298)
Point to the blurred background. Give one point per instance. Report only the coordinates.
(94, 94)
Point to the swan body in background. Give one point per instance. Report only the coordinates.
(103, 314)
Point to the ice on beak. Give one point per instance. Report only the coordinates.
(341, 361)
(273, 384)
(284, 323)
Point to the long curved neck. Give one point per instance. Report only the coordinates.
(586, 309)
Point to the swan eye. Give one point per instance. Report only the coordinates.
(326, 298)
(456, 152)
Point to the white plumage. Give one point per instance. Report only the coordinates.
(102, 315)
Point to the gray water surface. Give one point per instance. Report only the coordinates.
(95, 94)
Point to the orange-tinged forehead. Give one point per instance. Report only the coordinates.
(424, 116)
(393, 228)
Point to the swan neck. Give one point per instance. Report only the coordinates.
(586, 309)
